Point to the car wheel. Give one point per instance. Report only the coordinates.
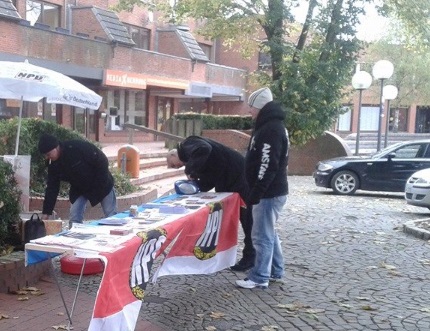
(344, 182)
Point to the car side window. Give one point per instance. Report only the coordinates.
(410, 151)
(427, 152)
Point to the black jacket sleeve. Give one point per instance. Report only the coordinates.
(52, 189)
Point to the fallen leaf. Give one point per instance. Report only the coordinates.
(387, 266)
(312, 316)
(367, 307)
(31, 288)
(314, 311)
(394, 273)
(19, 292)
(210, 328)
(425, 262)
(23, 298)
(62, 327)
(362, 298)
(3, 316)
(269, 328)
(344, 305)
(289, 306)
(425, 310)
(216, 314)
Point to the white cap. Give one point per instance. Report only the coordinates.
(260, 98)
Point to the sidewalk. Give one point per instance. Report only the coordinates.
(46, 312)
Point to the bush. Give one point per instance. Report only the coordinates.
(31, 130)
(9, 208)
(219, 122)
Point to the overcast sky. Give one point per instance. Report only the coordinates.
(372, 25)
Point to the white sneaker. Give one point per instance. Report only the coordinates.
(247, 283)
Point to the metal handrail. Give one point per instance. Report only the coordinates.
(157, 133)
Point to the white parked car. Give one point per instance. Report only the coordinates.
(417, 189)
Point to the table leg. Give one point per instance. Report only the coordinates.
(77, 287)
(69, 314)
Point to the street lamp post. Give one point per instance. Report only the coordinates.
(381, 70)
(389, 93)
(360, 81)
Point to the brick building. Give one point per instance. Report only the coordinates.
(145, 70)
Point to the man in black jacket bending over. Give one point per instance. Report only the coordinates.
(213, 165)
(86, 168)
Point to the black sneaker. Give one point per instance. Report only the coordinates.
(242, 265)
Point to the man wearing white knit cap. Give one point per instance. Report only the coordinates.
(266, 173)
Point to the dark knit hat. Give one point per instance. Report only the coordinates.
(47, 143)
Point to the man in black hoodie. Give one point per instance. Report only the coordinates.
(86, 168)
(266, 173)
(213, 165)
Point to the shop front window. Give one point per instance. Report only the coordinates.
(125, 106)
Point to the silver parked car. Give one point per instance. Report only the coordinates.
(417, 189)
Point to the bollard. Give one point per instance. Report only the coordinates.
(128, 160)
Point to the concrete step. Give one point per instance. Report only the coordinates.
(165, 186)
(153, 174)
(153, 167)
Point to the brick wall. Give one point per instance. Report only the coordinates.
(234, 139)
(62, 207)
(14, 275)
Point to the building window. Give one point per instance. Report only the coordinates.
(135, 107)
(264, 61)
(140, 36)
(369, 118)
(125, 106)
(344, 120)
(193, 106)
(398, 121)
(207, 49)
(43, 12)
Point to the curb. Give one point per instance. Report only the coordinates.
(412, 228)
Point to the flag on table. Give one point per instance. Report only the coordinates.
(202, 242)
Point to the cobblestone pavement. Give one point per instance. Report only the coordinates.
(349, 266)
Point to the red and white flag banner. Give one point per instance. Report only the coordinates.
(199, 243)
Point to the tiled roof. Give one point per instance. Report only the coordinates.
(8, 10)
(193, 48)
(114, 29)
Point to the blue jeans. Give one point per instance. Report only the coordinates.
(77, 210)
(269, 261)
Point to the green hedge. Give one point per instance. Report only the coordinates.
(31, 130)
(9, 209)
(219, 122)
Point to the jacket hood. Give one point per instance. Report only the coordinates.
(270, 111)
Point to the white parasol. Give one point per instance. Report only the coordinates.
(26, 82)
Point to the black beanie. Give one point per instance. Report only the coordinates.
(47, 143)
